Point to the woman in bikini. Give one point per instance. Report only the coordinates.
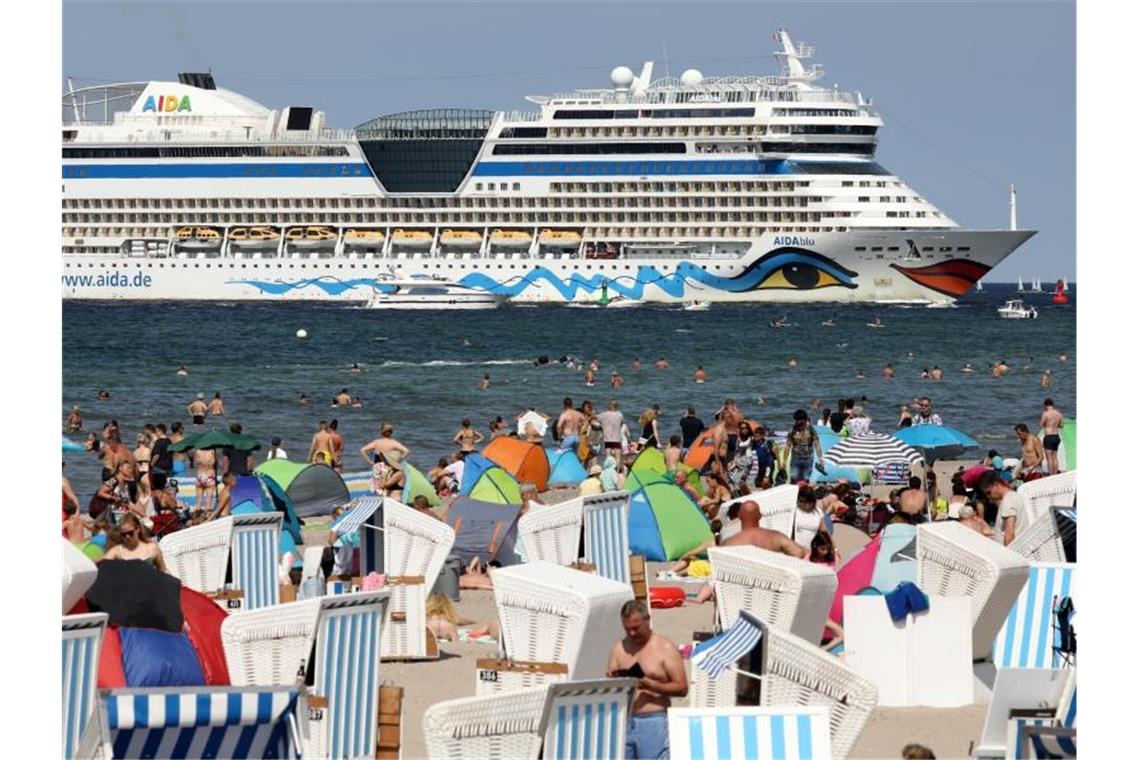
(205, 480)
(467, 437)
(129, 540)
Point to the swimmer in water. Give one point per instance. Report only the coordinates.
(302, 399)
(182, 370)
(1063, 357)
(761, 400)
(936, 373)
(661, 363)
(355, 369)
(876, 322)
(1046, 378)
(615, 380)
(104, 396)
(793, 363)
(860, 374)
(829, 322)
(925, 373)
(888, 371)
(357, 403)
(589, 378)
(699, 376)
(485, 383)
(967, 367)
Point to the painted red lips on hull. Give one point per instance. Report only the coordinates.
(951, 278)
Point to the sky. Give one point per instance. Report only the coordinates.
(974, 95)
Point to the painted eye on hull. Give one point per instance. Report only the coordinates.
(799, 276)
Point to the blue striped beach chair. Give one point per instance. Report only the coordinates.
(606, 522)
(587, 719)
(230, 722)
(253, 557)
(791, 733)
(1047, 736)
(82, 640)
(1029, 636)
(345, 698)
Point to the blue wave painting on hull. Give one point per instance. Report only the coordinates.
(787, 268)
(330, 285)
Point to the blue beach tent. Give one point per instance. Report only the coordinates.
(664, 522)
(565, 469)
(474, 465)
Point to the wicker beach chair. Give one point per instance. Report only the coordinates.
(782, 591)
(340, 636)
(555, 615)
(1030, 637)
(198, 555)
(791, 672)
(415, 548)
(79, 574)
(956, 561)
(777, 507)
(195, 722)
(605, 519)
(563, 721)
(798, 733)
(1039, 496)
(253, 554)
(83, 736)
(1041, 541)
(550, 534)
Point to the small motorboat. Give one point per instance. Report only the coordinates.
(696, 306)
(430, 293)
(619, 302)
(1015, 308)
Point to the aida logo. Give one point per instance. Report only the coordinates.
(166, 103)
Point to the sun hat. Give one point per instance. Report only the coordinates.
(595, 469)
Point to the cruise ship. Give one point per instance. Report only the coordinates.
(735, 188)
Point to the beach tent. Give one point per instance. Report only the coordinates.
(651, 459)
(474, 465)
(417, 484)
(249, 497)
(525, 461)
(565, 469)
(638, 479)
(664, 522)
(887, 560)
(311, 489)
(484, 530)
(497, 486)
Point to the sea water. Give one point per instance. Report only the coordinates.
(421, 369)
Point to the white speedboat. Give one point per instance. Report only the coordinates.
(696, 306)
(1015, 308)
(624, 303)
(431, 294)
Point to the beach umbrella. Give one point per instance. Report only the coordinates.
(217, 439)
(73, 446)
(937, 441)
(871, 450)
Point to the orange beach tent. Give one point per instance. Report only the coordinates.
(525, 461)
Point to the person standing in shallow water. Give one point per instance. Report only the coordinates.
(216, 407)
(198, 410)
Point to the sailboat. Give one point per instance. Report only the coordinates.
(1036, 285)
(1020, 286)
(978, 286)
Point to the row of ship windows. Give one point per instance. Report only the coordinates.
(675, 148)
(720, 130)
(214, 151)
(160, 265)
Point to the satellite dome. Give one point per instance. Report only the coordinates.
(621, 77)
(692, 76)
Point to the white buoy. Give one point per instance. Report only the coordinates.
(302, 333)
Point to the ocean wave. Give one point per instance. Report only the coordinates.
(453, 363)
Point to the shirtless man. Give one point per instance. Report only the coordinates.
(888, 371)
(936, 373)
(636, 363)
(1051, 422)
(700, 375)
(337, 441)
(1032, 452)
(385, 445)
(77, 528)
(216, 407)
(198, 410)
(751, 534)
(661, 363)
(344, 398)
(321, 443)
(673, 453)
(660, 674)
(569, 422)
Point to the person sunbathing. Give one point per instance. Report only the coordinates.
(475, 576)
(444, 621)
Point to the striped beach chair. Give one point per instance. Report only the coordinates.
(253, 557)
(794, 733)
(1046, 736)
(271, 645)
(415, 548)
(252, 722)
(780, 590)
(82, 641)
(572, 720)
(956, 561)
(550, 534)
(1029, 638)
(345, 699)
(605, 518)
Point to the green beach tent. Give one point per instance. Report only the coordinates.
(664, 522)
(651, 462)
(637, 479)
(417, 484)
(497, 486)
(650, 459)
(309, 489)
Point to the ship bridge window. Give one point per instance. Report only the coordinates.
(864, 149)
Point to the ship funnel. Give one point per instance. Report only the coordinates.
(201, 81)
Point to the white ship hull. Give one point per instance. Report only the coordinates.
(842, 273)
